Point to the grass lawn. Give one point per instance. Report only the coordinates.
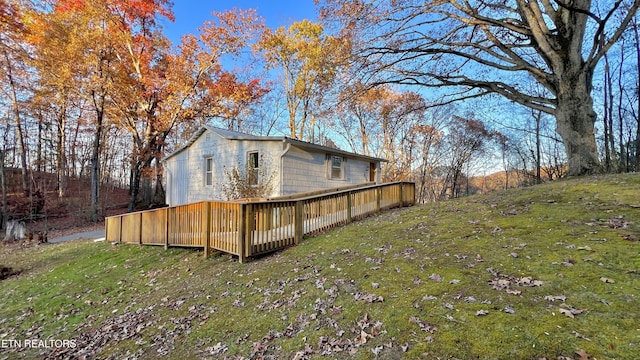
(550, 271)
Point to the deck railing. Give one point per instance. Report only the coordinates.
(250, 228)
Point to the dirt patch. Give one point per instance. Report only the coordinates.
(7, 272)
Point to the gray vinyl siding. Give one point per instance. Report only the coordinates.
(186, 170)
(295, 168)
(306, 171)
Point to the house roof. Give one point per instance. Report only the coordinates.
(235, 135)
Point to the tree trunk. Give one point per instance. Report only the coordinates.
(637, 147)
(159, 193)
(538, 159)
(3, 183)
(99, 104)
(95, 171)
(137, 170)
(575, 121)
(134, 187)
(606, 118)
(18, 122)
(61, 158)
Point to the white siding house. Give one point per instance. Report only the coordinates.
(198, 170)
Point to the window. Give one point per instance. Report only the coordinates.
(208, 171)
(337, 167)
(253, 167)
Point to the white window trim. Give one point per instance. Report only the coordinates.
(343, 162)
(256, 168)
(208, 172)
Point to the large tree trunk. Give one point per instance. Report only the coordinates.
(575, 120)
(99, 106)
(95, 169)
(134, 187)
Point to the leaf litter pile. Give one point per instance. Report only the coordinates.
(546, 272)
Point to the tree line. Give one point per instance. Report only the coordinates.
(442, 89)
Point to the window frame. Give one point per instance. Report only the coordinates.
(208, 171)
(340, 168)
(253, 168)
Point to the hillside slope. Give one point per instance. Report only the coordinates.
(551, 271)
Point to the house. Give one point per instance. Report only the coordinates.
(200, 169)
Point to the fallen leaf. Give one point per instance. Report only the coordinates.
(435, 277)
(482, 312)
(629, 237)
(556, 297)
(509, 310)
(569, 311)
(362, 338)
(566, 312)
(580, 336)
(582, 355)
(605, 302)
(423, 325)
(370, 298)
(607, 280)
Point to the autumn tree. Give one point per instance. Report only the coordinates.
(56, 92)
(308, 59)
(14, 75)
(167, 87)
(86, 31)
(494, 47)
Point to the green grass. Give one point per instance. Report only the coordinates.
(407, 283)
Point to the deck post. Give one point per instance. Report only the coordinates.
(241, 232)
(140, 228)
(206, 224)
(247, 224)
(298, 222)
(349, 202)
(120, 232)
(378, 191)
(401, 195)
(166, 228)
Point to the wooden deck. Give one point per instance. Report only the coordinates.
(250, 228)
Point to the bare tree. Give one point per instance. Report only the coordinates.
(494, 47)
(466, 138)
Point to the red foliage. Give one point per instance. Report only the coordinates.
(133, 12)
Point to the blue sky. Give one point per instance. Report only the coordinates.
(190, 14)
